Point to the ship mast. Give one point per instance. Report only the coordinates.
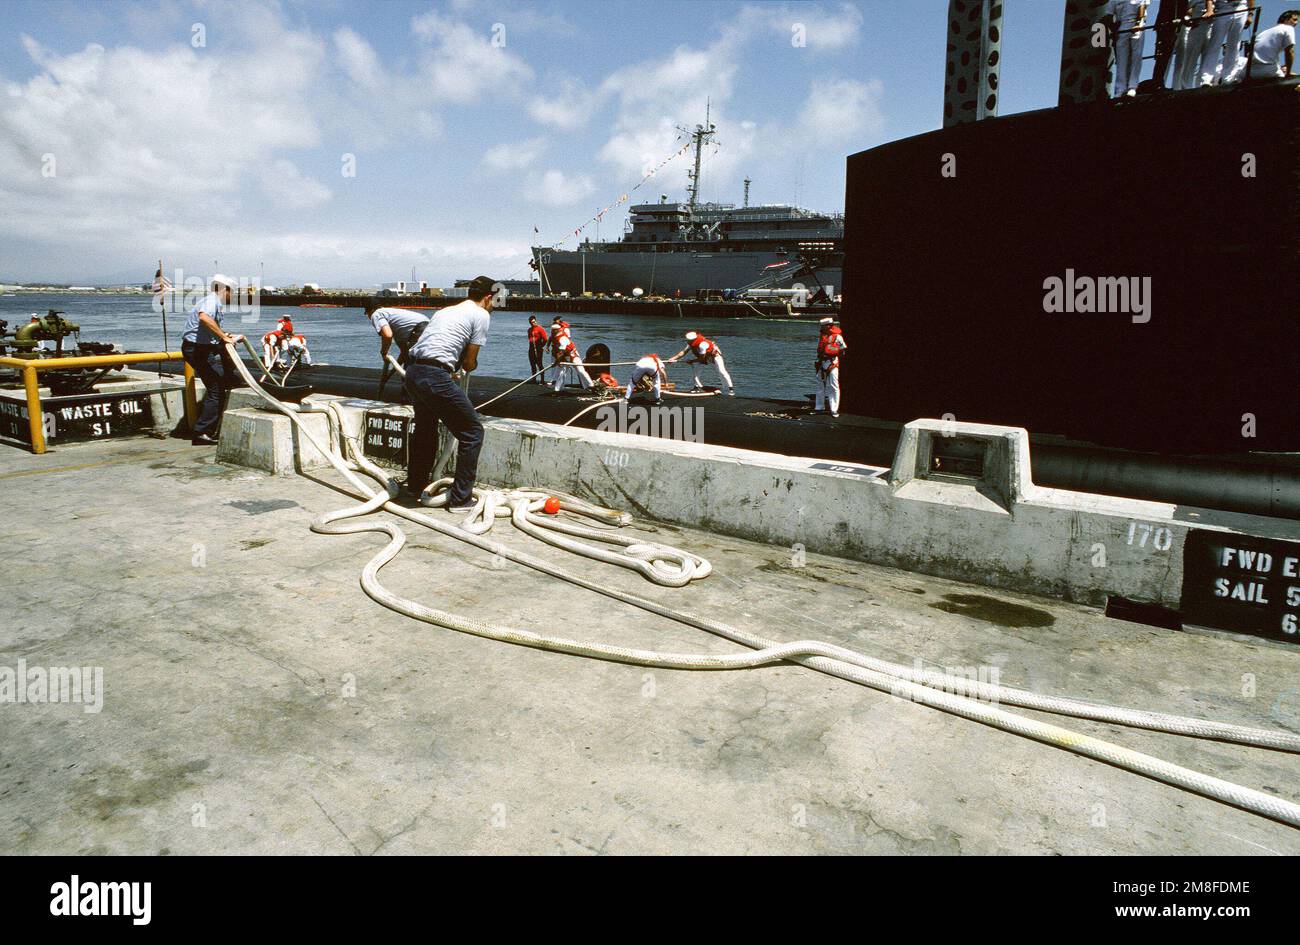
(702, 134)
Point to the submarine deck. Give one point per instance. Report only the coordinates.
(231, 638)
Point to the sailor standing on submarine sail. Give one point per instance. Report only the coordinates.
(1129, 17)
(1225, 40)
(1193, 44)
(830, 346)
(446, 348)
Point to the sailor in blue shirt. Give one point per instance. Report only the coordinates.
(447, 347)
(201, 347)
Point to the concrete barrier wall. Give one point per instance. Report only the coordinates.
(1069, 545)
(997, 529)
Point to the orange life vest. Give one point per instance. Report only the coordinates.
(830, 346)
(562, 345)
(704, 349)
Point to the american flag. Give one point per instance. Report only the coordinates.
(160, 283)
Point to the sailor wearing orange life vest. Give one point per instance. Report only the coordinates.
(703, 352)
(297, 345)
(649, 369)
(566, 356)
(830, 346)
(271, 344)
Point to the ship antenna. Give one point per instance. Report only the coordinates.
(747, 183)
(702, 134)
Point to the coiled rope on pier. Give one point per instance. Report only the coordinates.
(956, 695)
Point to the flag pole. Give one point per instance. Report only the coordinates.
(160, 282)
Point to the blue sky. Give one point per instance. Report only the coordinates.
(124, 139)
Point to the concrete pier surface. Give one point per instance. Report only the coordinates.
(255, 700)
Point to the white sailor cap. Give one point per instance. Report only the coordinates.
(228, 282)
(827, 321)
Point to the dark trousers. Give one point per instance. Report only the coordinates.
(211, 369)
(436, 396)
(536, 353)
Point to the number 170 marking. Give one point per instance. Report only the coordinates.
(1161, 538)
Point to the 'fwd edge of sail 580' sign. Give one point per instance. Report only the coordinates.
(387, 437)
(1236, 582)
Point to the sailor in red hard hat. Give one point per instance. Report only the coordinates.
(830, 346)
(703, 351)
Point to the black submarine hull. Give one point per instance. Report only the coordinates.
(952, 272)
(1260, 484)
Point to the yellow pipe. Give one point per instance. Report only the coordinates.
(98, 360)
(191, 401)
(35, 420)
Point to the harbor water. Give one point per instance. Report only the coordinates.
(765, 358)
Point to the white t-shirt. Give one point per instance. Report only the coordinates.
(450, 330)
(1271, 45)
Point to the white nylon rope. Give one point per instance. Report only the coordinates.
(952, 694)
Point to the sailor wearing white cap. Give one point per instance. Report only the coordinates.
(704, 351)
(201, 347)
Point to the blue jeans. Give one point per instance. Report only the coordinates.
(211, 369)
(436, 396)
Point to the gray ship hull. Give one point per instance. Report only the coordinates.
(666, 273)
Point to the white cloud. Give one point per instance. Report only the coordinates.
(843, 110)
(150, 129)
(567, 106)
(514, 155)
(357, 58)
(463, 64)
(817, 27)
(555, 189)
(286, 186)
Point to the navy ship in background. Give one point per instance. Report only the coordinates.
(671, 248)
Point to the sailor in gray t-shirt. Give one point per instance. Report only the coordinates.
(447, 346)
(397, 325)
